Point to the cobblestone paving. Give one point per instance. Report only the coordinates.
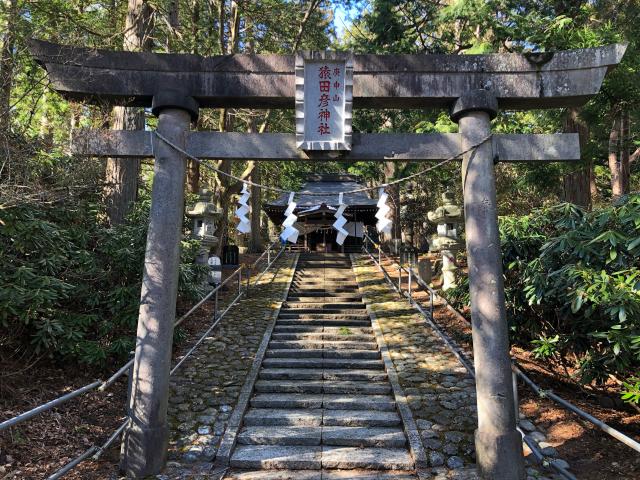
(440, 392)
(204, 390)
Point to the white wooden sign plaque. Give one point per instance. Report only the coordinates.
(324, 95)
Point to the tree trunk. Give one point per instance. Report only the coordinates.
(577, 185)
(121, 178)
(625, 153)
(617, 176)
(7, 63)
(173, 19)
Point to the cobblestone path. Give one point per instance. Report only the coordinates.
(322, 405)
(205, 389)
(439, 390)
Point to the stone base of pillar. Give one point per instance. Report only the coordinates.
(493, 454)
(135, 460)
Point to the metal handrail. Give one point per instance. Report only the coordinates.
(515, 367)
(411, 274)
(578, 411)
(95, 451)
(48, 406)
(452, 347)
(103, 385)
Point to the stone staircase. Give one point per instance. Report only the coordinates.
(322, 406)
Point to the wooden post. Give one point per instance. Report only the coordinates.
(145, 440)
(498, 443)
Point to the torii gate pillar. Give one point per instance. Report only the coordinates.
(498, 443)
(145, 440)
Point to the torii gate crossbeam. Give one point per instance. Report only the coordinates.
(473, 86)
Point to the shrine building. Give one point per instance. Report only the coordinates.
(316, 204)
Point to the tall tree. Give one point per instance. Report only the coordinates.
(121, 176)
(9, 25)
(578, 185)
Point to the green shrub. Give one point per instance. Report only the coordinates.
(70, 287)
(572, 286)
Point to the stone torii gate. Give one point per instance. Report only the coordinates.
(474, 87)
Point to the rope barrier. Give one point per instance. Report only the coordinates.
(281, 190)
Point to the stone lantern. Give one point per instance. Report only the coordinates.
(205, 215)
(448, 216)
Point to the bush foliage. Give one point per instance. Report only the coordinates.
(70, 286)
(572, 284)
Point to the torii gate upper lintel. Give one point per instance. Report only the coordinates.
(473, 86)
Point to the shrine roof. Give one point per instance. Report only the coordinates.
(326, 189)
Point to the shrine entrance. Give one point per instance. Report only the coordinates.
(473, 87)
(316, 206)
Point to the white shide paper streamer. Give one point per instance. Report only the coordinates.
(290, 233)
(243, 209)
(340, 222)
(384, 223)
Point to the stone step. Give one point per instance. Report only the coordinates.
(277, 475)
(326, 344)
(360, 418)
(321, 330)
(314, 457)
(328, 290)
(330, 266)
(371, 458)
(362, 475)
(292, 315)
(356, 388)
(342, 344)
(328, 322)
(310, 353)
(322, 314)
(324, 362)
(358, 402)
(319, 475)
(296, 297)
(301, 417)
(318, 386)
(333, 321)
(321, 306)
(322, 336)
(322, 374)
(287, 400)
(310, 294)
(307, 274)
(388, 437)
(311, 273)
(279, 435)
(318, 400)
(297, 386)
(322, 284)
(293, 457)
(291, 374)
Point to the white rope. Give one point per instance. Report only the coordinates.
(280, 190)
